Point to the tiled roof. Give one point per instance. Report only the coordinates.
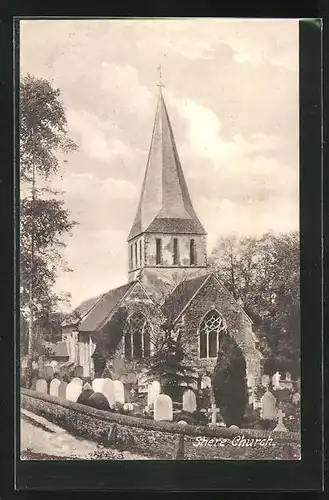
(171, 225)
(180, 297)
(75, 316)
(103, 308)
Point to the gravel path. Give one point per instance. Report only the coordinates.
(43, 440)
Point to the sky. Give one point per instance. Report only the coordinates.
(231, 89)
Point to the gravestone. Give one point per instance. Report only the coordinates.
(288, 377)
(189, 401)
(251, 386)
(153, 392)
(163, 408)
(78, 371)
(63, 370)
(41, 385)
(205, 382)
(105, 386)
(74, 389)
(265, 380)
(49, 370)
(296, 398)
(276, 381)
(77, 380)
(54, 386)
(213, 411)
(62, 390)
(35, 365)
(280, 425)
(54, 364)
(118, 392)
(268, 409)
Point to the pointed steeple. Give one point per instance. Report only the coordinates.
(165, 205)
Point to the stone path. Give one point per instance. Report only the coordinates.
(43, 440)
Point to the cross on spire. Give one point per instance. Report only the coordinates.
(160, 84)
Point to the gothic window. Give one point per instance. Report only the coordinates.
(210, 328)
(140, 252)
(136, 261)
(158, 256)
(175, 252)
(137, 337)
(192, 253)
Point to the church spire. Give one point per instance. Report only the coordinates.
(165, 205)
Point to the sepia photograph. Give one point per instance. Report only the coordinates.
(159, 253)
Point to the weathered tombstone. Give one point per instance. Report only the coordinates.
(78, 371)
(63, 370)
(265, 380)
(77, 380)
(118, 391)
(62, 390)
(276, 381)
(54, 386)
(49, 370)
(268, 409)
(74, 390)
(189, 401)
(41, 385)
(251, 387)
(154, 390)
(234, 427)
(288, 377)
(205, 382)
(213, 411)
(163, 408)
(280, 426)
(105, 386)
(296, 398)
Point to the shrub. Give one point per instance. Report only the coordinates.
(195, 418)
(84, 397)
(98, 401)
(229, 381)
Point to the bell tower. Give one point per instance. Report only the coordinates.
(166, 236)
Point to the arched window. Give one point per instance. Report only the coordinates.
(131, 256)
(193, 255)
(140, 253)
(137, 336)
(175, 252)
(158, 251)
(210, 328)
(136, 258)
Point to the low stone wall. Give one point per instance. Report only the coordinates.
(162, 439)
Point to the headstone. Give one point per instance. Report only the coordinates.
(35, 365)
(234, 427)
(153, 392)
(41, 385)
(213, 411)
(189, 401)
(77, 380)
(63, 370)
(265, 380)
(74, 390)
(276, 381)
(280, 426)
(54, 364)
(105, 386)
(288, 377)
(205, 382)
(62, 390)
(251, 386)
(296, 398)
(163, 408)
(119, 392)
(41, 364)
(182, 422)
(268, 409)
(49, 370)
(78, 371)
(53, 387)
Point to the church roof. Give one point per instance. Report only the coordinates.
(181, 296)
(103, 308)
(165, 204)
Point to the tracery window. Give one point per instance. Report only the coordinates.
(209, 332)
(137, 339)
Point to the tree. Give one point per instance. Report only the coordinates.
(170, 365)
(44, 221)
(264, 273)
(229, 381)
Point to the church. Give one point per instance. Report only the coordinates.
(169, 282)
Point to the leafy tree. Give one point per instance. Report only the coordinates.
(229, 381)
(170, 364)
(264, 274)
(44, 221)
